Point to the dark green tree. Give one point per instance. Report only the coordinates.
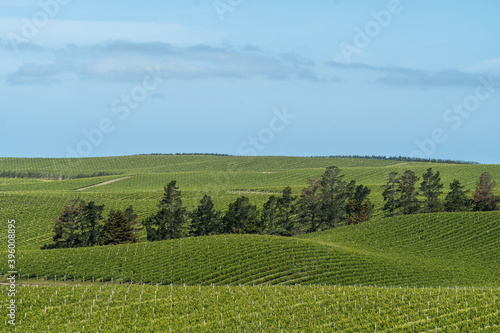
(91, 223)
(131, 217)
(408, 201)
(286, 213)
(359, 208)
(309, 206)
(68, 226)
(205, 220)
(335, 194)
(170, 221)
(242, 218)
(484, 199)
(391, 194)
(119, 228)
(278, 213)
(172, 197)
(456, 200)
(269, 214)
(431, 188)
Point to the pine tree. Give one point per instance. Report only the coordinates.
(91, 224)
(68, 226)
(268, 215)
(242, 218)
(119, 228)
(335, 193)
(285, 213)
(431, 188)
(205, 220)
(309, 206)
(484, 199)
(131, 217)
(408, 201)
(456, 200)
(391, 195)
(359, 209)
(170, 221)
(278, 213)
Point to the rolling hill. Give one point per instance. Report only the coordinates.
(423, 272)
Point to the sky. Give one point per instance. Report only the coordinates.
(250, 77)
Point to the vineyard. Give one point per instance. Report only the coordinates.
(421, 273)
(428, 250)
(263, 308)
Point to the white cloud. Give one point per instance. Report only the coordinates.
(400, 76)
(7, 63)
(127, 61)
(61, 32)
(488, 66)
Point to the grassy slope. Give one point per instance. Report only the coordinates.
(445, 249)
(439, 250)
(461, 246)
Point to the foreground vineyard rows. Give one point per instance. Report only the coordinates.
(296, 308)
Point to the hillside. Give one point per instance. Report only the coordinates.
(446, 249)
(396, 245)
(35, 203)
(422, 272)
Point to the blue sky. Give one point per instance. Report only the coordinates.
(245, 77)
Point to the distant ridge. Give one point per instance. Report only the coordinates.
(401, 158)
(369, 157)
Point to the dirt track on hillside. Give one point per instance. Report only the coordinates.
(101, 184)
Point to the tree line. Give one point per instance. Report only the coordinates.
(401, 194)
(401, 158)
(324, 203)
(82, 224)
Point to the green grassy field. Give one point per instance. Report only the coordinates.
(425, 272)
